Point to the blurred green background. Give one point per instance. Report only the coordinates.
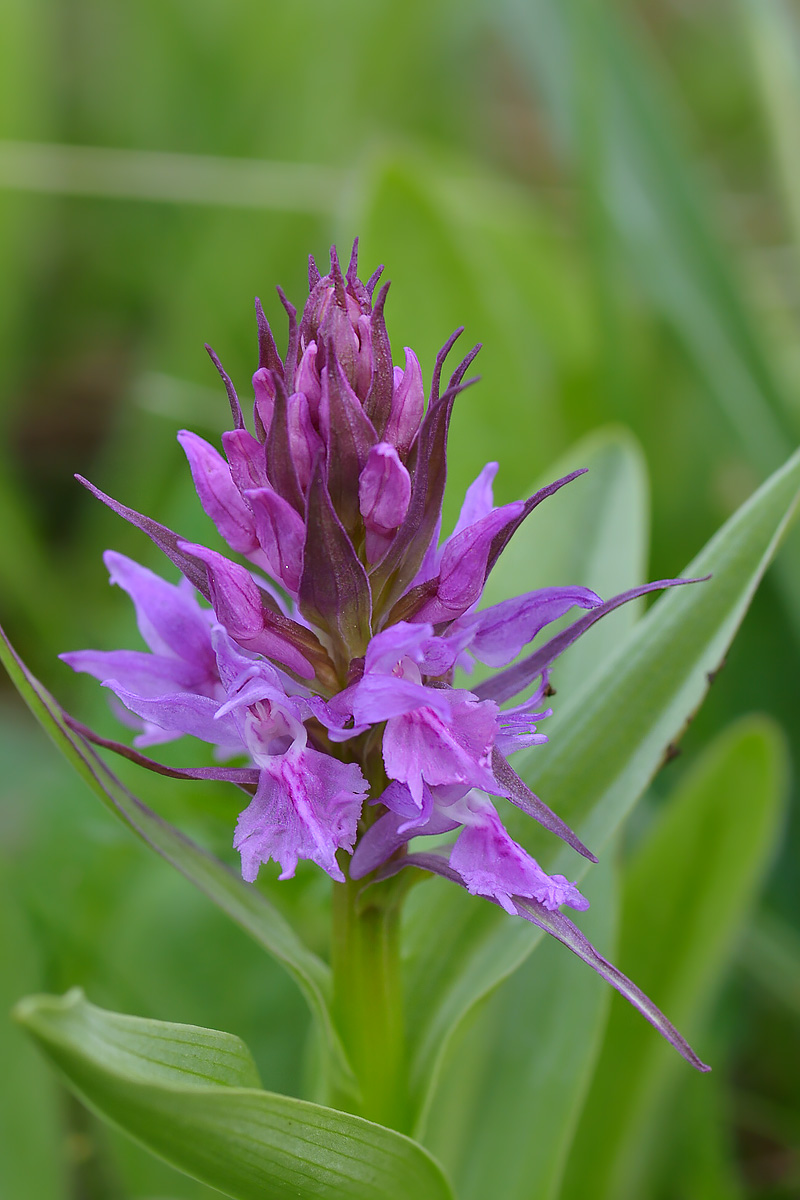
(606, 195)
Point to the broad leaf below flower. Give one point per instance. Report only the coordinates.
(192, 1097)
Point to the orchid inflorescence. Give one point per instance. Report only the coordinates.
(329, 661)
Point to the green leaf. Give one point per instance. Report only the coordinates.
(192, 1097)
(31, 1131)
(656, 201)
(659, 216)
(773, 38)
(613, 734)
(686, 893)
(770, 955)
(536, 1044)
(243, 904)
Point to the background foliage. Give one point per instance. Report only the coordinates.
(607, 196)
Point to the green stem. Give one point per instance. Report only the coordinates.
(368, 998)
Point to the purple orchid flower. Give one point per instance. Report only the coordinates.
(329, 656)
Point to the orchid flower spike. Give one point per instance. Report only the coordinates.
(326, 650)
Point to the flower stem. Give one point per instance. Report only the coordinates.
(368, 997)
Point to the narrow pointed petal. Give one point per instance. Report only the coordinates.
(239, 606)
(462, 571)
(267, 350)
(334, 589)
(439, 364)
(518, 792)
(500, 632)
(384, 492)
(233, 399)
(560, 927)
(164, 538)
(348, 435)
(290, 362)
(507, 683)
(505, 535)
(219, 495)
(378, 402)
(281, 535)
(244, 777)
(169, 618)
(408, 406)
(463, 366)
(280, 464)
(305, 444)
(246, 458)
(313, 273)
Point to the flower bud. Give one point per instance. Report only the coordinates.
(384, 492)
(408, 403)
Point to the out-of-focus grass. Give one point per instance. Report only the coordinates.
(603, 194)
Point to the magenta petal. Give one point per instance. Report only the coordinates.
(500, 632)
(281, 535)
(307, 806)
(182, 712)
(219, 495)
(384, 491)
(264, 388)
(423, 746)
(305, 444)
(492, 864)
(348, 435)
(463, 567)
(379, 842)
(307, 379)
(404, 639)
(404, 820)
(234, 593)
(479, 499)
(239, 607)
(408, 403)
(246, 457)
(380, 697)
(146, 674)
(507, 683)
(169, 618)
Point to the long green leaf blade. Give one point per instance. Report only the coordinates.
(245, 905)
(678, 930)
(537, 1042)
(191, 1096)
